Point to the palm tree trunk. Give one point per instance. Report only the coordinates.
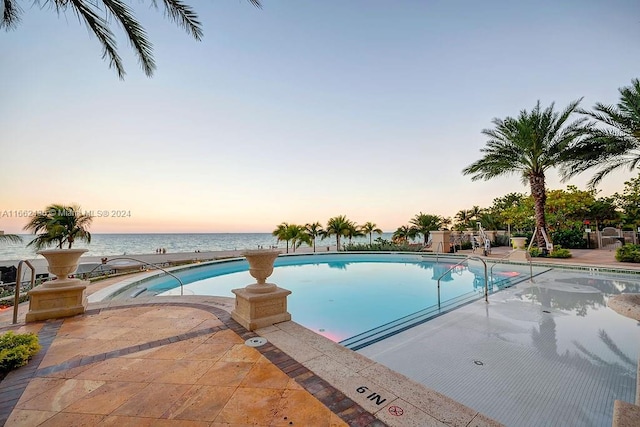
(539, 193)
(337, 242)
(370, 238)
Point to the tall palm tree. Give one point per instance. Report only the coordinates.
(314, 230)
(463, 217)
(402, 234)
(368, 228)
(299, 236)
(424, 223)
(99, 14)
(529, 145)
(353, 231)
(12, 238)
(338, 226)
(616, 144)
(59, 224)
(283, 233)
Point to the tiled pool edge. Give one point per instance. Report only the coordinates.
(390, 396)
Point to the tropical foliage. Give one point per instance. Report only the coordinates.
(98, 17)
(615, 143)
(296, 234)
(338, 226)
(12, 238)
(58, 225)
(422, 224)
(529, 145)
(314, 230)
(368, 228)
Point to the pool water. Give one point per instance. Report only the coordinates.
(343, 295)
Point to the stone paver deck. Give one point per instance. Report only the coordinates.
(165, 364)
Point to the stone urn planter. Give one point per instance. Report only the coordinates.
(260, 304)
(62, 263)
(261, 267)
(519, 242)
(62, 297)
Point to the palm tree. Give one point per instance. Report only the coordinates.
(353, 231)
(402, 234)
(12, 238)
(463, 217)
(314, 230)
(424, 223)
(338, 226)
(529, 145)
(283, 232)
(617, 144)
(299, 236)
(59, 224)
(99, 14)
(370, 228)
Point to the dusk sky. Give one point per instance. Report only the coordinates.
(298, 112)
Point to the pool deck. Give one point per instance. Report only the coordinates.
(182, 361)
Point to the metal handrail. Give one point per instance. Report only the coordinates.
(507, 256)
(486, 281)
(16, 300)
(106, 260)
(440, 246)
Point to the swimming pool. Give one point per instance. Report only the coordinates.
(351, 298)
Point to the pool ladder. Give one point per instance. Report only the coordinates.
(16, 300)
(486, 277)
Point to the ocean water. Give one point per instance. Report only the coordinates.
(119, 244)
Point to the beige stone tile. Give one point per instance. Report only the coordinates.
(265, 375)
(106, 399)
(251, 406)
(122, 421)
(301, 408)
(201, 403)
(61, 395)
(176, 350)
(210, 350)
(291, 345)
(241, 353)
(125, 369)
(38, 386)
(185, 371)
(403, 414)
(228, 374)
(293, 385)
(64, 419)
(210, 323)
(152, 401)
(226, 335)
(28, 417)
(267, 330)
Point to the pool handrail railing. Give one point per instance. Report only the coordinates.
(486, 281)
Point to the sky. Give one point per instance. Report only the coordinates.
(296, 112)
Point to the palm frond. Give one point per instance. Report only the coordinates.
(100, 29)
(184, 16)
(135, 33)
(11, 14)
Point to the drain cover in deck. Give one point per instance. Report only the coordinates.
(256, 342)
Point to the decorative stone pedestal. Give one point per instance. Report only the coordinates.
(519, 242)
(63, 297)
(254, 310)
(441, 241)
(260, 304)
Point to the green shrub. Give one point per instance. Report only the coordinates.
(16, 350)
(571, 239)
(559, 252)
(628, 253)
(381, 244)
(535, 251)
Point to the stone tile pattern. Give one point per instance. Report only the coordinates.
(203, 376)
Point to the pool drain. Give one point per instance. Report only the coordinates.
(478, 362)
(546, 311)
(256, 342)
